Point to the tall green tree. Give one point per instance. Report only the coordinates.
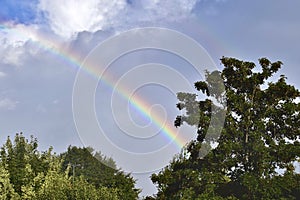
(259, 143)
(26, 173)
(100, 171)
(22, 160)
(6, 188)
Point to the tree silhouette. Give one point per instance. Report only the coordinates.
(258, 146)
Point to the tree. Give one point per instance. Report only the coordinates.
(258, 146)
(26, 173)
(22, 160)
(6, 188)
(99, 171)
(55, 184)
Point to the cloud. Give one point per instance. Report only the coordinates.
(13, 39)
(170, 10)
(17, 34)
(11, 55)
(20, 42)
(8, 104)
(69, 17)
(66, 18)
(88, 21)
(2, 74)
(41, 109)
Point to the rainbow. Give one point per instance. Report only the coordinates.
(73, 59)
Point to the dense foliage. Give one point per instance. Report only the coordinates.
(259, 144)
(86, 163)
(255, 157)
(26, 173)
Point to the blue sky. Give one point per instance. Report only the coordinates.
(18, 11)
(36, 82)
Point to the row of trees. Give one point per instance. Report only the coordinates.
(258, 148)
(256, 155)
(26, 173)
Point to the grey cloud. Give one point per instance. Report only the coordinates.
(8, 104)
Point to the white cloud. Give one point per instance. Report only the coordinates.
(12, 55)
(69, 17)
(19, 42)
(17, 34)
(8, 104)
(2, 74)
(66, 18)
(13, 38)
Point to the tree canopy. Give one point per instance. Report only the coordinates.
(259, 142)
(99, 170)
(248, 144)
(26, 173)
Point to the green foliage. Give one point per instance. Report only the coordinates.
(6, 188)
(22, 160)
(100, 171)
(86, 164)
(26, 173)
(260, 136)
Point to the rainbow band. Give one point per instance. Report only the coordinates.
(169, 131)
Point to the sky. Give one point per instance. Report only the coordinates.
(47, 46)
